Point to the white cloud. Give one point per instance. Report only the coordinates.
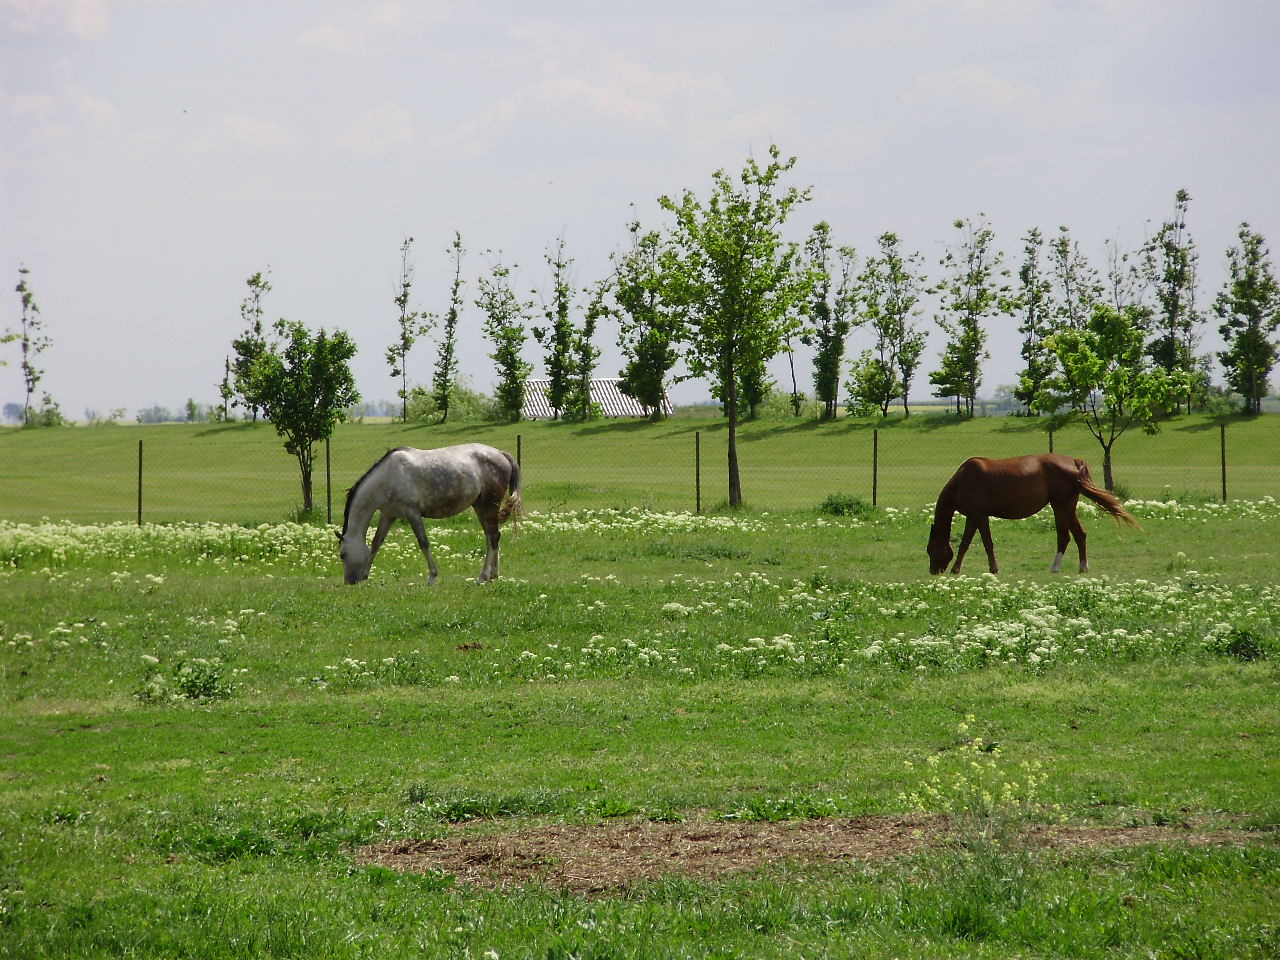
(86, 19)
(237, 134)
(378, 131)
(371, 28)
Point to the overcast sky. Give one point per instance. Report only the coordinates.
(158, 152)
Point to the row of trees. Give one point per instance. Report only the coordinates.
(720, 290)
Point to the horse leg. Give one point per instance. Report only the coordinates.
(384, 524)
(970, 527)
(1062, 521)
(488, 518)
(420, 532)
(1077, 531)
(984, 528)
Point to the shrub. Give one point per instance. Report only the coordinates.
(845, 505)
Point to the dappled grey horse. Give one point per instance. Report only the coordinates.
(409, 484)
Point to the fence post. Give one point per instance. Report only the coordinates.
(1051, 439)
(875, 466)
(697, 471)
(1223, 432)
(139, 483)
(519, 444)
(328, 484)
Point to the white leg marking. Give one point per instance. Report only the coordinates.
(1057, 563)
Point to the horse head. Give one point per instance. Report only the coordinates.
(356, 556)
(940, 552)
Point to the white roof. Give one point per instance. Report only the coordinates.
(612, 401)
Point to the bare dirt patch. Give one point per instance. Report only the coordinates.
(594, 858)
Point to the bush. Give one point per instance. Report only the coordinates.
(465, 406)
(845, 505)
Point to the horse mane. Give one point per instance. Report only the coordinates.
(351, 494)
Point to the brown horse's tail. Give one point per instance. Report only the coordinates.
(1108, 502)
(512, 507)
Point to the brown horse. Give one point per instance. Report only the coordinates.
(1014, 489)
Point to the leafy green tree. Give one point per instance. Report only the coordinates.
(1034, 302)
(1249, 308)
(971, 293)
(410, 325)
(1169, 265)
(504, 325)
(557, 337)
(1105, 378)
(889, 285)
(33, 341)
(251, 346)
(1075, 284)
(445, 375)
(832, 307)
(650, 329)
(305, 389)
(225, 392)
(735, 281)
(579, 407)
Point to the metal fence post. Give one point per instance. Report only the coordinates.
(139, 483)
(697, 471)
(328, 484)
(519, 444)
(1223, 433)
(1051, 439)
(875, 466)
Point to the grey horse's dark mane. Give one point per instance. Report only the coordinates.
(351, 494)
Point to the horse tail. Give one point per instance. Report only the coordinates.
(1108, 502)
(512, 507)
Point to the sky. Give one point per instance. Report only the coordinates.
(157, 153)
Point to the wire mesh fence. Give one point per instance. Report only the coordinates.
(240, 473)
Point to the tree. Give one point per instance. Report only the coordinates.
(735, 281)
(971, 293)
(1249, 308)
(504, 320)
(1169, 265)
(1034, 301)
(33, 342)
(557, 338)
(831, 310)
(225, 392)
(579, 407)
(889, 285)
(1106, 379)
(305, 390)
(410, 325)
(251, 346)
(1076, 287)
(445, 374)
(649, 327)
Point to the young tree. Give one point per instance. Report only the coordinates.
(505, 316)
(971, 293)
(578, 405)
(1169, 265)
(1034, 301)
(735, 281)
(1106, 379)
(649, 327)
(251, 346)
(305, 390)
(445, 374)
(831, 312)
(1249, 308)
(410, 325)
(890, 285)
(557, 338)
(1075, 284)
(33, 342)
(225, 393)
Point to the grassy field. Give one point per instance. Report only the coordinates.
(240, 473)
(764, 734)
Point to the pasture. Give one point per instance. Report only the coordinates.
(765, 734)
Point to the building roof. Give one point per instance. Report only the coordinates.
(604, 392)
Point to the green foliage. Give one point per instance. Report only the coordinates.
(32, 341)
(971, 293)
(1249, 308)
(649, 328)
(831, 310)
(846, 505)
(465, 406)
(444, 382)
(251, 346)
(890, 286)
(557, 337)
(504, 320)
(1034, 301)
(305, 390)
(1169, 262)
(410, 325)
(736, 283)
(184, 678)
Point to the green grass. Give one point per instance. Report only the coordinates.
(759, 666)
(240, 473)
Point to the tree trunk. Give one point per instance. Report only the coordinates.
(731, 406)
(304, 465)
(1108, 476)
